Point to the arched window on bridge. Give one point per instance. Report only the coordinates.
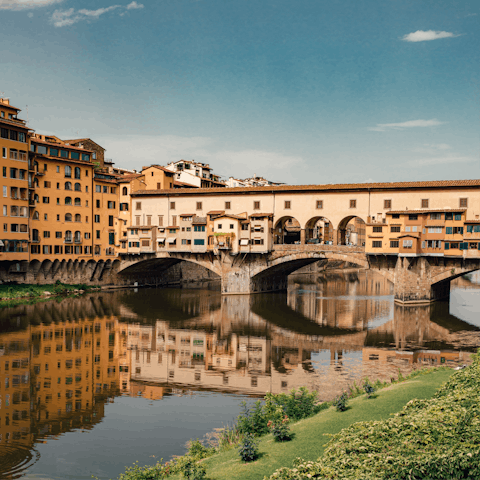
(319, 230)
(351, 231)
(287, 230)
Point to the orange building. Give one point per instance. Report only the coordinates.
(61, 204)
(16, 182)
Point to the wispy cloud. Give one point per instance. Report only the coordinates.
(428, 162)
(425, 36)
(25, 4)
(64, 18)
(382, 127)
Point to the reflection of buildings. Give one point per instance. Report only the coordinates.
(56, 377)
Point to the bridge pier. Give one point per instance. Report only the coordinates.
(238, 281)
(414, 282)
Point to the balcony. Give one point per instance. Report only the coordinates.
(68, 240)
(78, 240)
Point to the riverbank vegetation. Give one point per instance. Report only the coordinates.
(311, 426)
(15, 294)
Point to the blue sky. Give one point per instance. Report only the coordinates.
(299, 91)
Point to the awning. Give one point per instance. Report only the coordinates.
(161, 240)
(171, 240)
(244, 241)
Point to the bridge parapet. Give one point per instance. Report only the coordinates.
(318, 248)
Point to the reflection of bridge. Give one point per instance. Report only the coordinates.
(416, 280)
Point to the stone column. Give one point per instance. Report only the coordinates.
(302, 236)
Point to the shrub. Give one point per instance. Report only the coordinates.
(227, 437)
(369, 389)
(192, 470)
(248, 448)
(340, 403)
(253, 419)
(197, 450)
(280, 429)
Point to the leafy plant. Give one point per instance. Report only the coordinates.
(248, 448)
(340, 402)
(192, 470)
(197, 450)
(369, 388)
(280, 429)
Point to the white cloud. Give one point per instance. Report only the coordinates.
(25, 4)
(425, 36)
(427, 162)
(63, 18)
(381, 127)
(135, 151)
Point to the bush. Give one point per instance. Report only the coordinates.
(197, 450)
(280, 429)
(369, 389)
(253, 419)
(248, 448)
(192, 470)
(340, 403)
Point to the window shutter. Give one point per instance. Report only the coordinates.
(449, 230)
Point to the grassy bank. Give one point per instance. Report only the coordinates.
(312, 434)
(18, 294)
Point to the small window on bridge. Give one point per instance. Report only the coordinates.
(425, 202)
(353, 204)
(319, 204)
(288, 204)
(463, 203)
(387, 204)
(256, 205)
(376, 244)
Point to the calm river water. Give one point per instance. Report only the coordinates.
(90, 385)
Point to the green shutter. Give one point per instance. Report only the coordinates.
(447, 246)
(449, 230)
(469, 228)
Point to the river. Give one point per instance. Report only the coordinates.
(89, 385)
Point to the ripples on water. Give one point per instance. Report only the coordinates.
(89, 385)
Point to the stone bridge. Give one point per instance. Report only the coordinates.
(415, 279)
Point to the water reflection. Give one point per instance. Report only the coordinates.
(62, 361)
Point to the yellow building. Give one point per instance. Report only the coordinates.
(16, 182)
(61, 204)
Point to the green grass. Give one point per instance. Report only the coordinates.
(312, 434)
(17, 294)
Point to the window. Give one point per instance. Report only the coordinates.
(13, 173)
(124, 191)
(85, 157)
(353, 204)
(199, 205)
(199, 228)
(458, 216)
(319, 204)
(46, 234)
(376, 244)
(111, 204)
(68, 186)
(393, 243)
(78, 187)
(435, 216)
(77, 173)
(172, 205)
(199, 241)
(58, 234)
(68, 171)
(46, 199)
(232, 226)
(288, 204)
(395, 229)
(256, 205)
(98, 189)
(424, 203)
(4, 172)
(78, 217)
(413, 217)
(105, 189)
(97, 219)
(113, 189)
(219, 226)
(97, 203)
(377, 229)
(228, 206)
(463, 202)
(68, 217)
(387, 204)
(110, 220)
(407, 243)
(138, 205)
(160, 220)
(97, 233)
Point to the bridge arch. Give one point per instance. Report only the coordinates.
(287, 230)
(351, 231)
(319, 229)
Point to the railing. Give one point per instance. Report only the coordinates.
(68, 240)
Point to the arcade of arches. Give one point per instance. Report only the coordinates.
(320, 230)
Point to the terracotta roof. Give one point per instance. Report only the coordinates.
(173, 226)
(216, 212)
(59, 145)
(440, 184)
(67, 160)
(15, 123)
(427, 210)
(108, 180)
(261, 215)
(199, 221)
(229, 215)
(472, 221)
(128, 178)
(187, 215)
(183, 184)
(408, 234)
(78, 140)
(166, 170)
(7, 105)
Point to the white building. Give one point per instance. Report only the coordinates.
(250, 182)
(194, 173)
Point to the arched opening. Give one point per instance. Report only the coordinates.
(351, 231)
(124, 191)
(319, 230)
(287, 231)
